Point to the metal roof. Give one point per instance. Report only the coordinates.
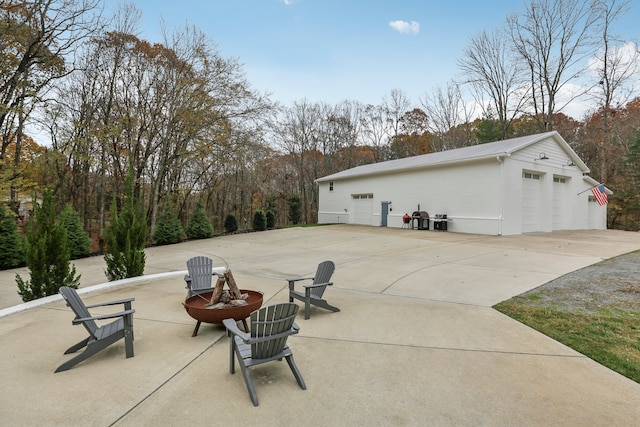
(474, 152)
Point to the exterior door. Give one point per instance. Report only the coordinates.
(384, 214)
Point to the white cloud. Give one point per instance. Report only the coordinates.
(287, 2)
(405, 27)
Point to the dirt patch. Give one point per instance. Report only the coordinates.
(611, 283)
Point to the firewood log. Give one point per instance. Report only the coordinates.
(233, 287)
(217, 291)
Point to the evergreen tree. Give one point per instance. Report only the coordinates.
(47, 254)
(199, 226)
(11, 251)
(271, 219)
(168, 228)
(259, 220)
(230, 223)
(79, 242)
(295, 209)
(126, 237)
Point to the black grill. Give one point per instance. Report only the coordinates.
(422, 220)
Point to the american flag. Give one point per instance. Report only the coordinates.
(600, 195)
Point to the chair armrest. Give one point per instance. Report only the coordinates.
(187, 278)
(232, 327)
(318, 285)
(102, 316)
(297, 279)
(104, 304)
(292, 282)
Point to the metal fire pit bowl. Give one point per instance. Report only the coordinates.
(195, 307)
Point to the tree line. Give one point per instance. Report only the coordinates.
(185, 122)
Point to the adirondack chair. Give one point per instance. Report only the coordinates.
(266, 341)
(100, 337)
(198, 280)
(313, 292)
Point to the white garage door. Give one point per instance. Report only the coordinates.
(560, 209)
(362, 208)
(531, 186)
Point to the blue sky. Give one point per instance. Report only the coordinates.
(333, 50)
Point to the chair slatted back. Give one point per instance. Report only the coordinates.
(272, 321)
(200, 271)
(323, 275)
(73, 300)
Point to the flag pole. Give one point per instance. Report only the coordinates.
(589, 189)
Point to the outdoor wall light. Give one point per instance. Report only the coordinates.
(570, 163)
(542, 156)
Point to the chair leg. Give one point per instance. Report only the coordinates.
(324, 304)
(128, 344)
(232, 355)
(77, 346)
(296, 372)
(247, 379)
(89, 351)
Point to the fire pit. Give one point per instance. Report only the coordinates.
(195, 307)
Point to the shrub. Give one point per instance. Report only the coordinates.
(168, 228)
(230, 223)
(11, 245)
(126, 237)
(259, 220)
(46, 253)
(199, 226)
(271, 219)
(295, 210)
(79, 242)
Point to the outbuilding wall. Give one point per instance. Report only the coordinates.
(537, 188)
(471, 190)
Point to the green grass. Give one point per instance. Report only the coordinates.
(610, 336)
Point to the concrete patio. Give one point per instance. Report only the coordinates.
(416, 342)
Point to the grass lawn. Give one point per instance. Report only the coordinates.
(608, 335)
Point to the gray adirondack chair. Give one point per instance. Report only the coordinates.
(266, 341)
(199, 279)
(313, 292)
(100, 337)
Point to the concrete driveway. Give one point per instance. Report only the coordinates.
(416, 342)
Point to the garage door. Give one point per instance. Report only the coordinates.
(362, 208)
(560, 198)
(531, 190)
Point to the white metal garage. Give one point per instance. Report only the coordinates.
(526, 184)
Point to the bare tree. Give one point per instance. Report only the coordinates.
(616, 65)
(297, 138)
(498, 84)
(376, 130)
(395, 107)
(552, 38)
(449, 118)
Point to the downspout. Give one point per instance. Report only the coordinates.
(501, 198)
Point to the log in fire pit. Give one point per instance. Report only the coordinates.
(219, 304)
